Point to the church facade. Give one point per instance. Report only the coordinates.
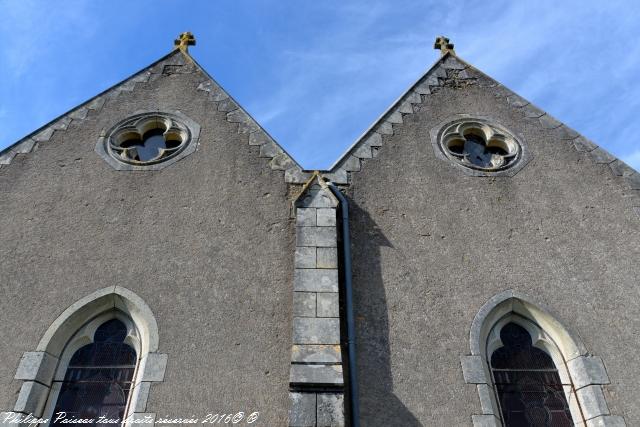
(469, 261)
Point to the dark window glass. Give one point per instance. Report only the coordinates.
(478, 153)
(151, 145)
(528, 385)
(98, 378)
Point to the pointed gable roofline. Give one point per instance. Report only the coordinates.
(451, 70)
(448, 69)
(279, 159)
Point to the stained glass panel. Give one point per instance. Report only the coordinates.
(528, 384)
(99, 377)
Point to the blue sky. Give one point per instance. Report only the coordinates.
(317, 74)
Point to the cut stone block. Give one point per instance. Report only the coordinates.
(316, 236)
(32, 398)
(473, 370)
(316, 353)
(316, 331)
(326, 217)
(592, 401)
(303, 410)
(316, 280)
(306, 217)
(316, 374)
(37, 366)
(327, 258)
(587, 370)
(330, 409)
(304, 304)
(154, 367)
(305, 257)
(328, 304)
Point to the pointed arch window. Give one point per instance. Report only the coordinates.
(99, 376)
(530, 391)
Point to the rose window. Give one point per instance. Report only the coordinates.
(479, 145)
(148, 139)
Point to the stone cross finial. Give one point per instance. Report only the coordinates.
(443, 44)
(184, 41)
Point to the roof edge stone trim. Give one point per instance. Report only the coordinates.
(256, 135)
(446, 71)
(598, 155)
(450, 70)
(80, 113)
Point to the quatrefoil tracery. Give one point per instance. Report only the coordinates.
(148, 139)
(480, 146)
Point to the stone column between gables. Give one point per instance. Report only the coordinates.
(316, 380)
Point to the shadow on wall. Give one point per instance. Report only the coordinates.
(378, 405)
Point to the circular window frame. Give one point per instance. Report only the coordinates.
(174, 122)
(461, 124)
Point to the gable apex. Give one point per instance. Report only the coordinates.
(450, 70)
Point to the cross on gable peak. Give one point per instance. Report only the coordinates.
(443, 44)
(184, 40)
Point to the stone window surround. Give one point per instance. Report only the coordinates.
(585, 372)
(190, 146)
(38, 369)
(436, 134)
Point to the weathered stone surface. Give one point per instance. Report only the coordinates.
(567, 133)
(583, 144)
(296, 176)
(316, 374)
(270, 149)
(316, 353)
(374, 140)
(317, 199)
(592, 401)
(607, 421)
(304, 304)
(306, 217)
(485, 421)
(259, 138)
(531, 111)
(395, 117)
(362, 151)
(316, 236)
(326, 217)
(316, 331)
(385, 128)
(328, 304)
(587, 370)
(32, 398)
(316, 280)
(406, 108)
(141, 392)
(337, 177)
(473, 370)
(327, 258)
(548, 122)
(516, 101)
(485, 392)
(330, 409)
(303, 409)
(227, 105)
(281, 162)
(305, 257)
(601, 156)
(154, 367)
(351, 163)
(37, 366)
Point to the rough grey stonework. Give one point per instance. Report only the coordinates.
(315, 356)
(207, 243)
